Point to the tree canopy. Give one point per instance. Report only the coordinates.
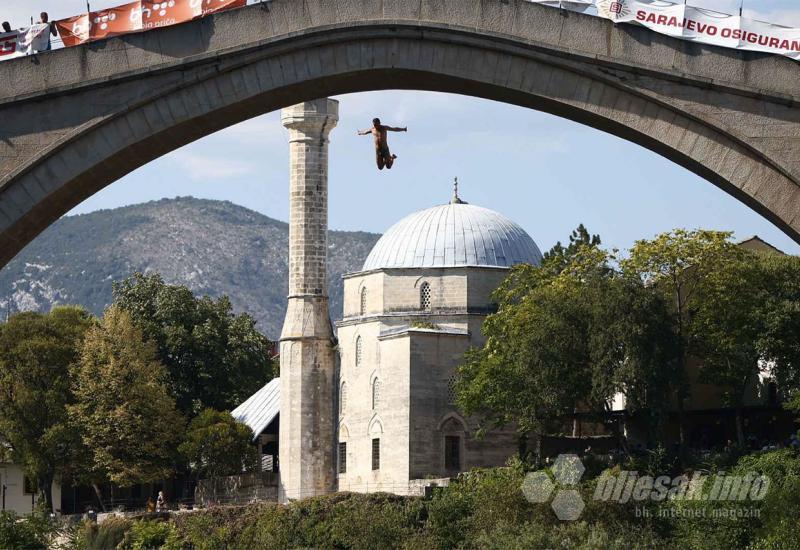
(568, 335)
(128, 420)
(214, 358)
(217, 444)
(586, 326)
(36, 351)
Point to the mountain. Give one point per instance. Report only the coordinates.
(213, 247)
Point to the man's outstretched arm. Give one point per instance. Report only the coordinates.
(365, 132)
(394, 129)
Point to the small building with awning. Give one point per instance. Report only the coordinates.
(261, 413)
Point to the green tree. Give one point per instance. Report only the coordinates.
(676, 263)
(568, 337)
(633, 348)
(36, 351)
(217, 444)
(780, 341)
(214, 358)
(727, 325)
(560, 255)
(534, 366)
(128, 419)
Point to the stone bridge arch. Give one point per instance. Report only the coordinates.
(75, 120)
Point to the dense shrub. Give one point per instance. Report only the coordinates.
(29, 533)
(767, 523)
(478, 501)
(204, 532)
(93, 536)
(340, 520)
(150, 535)
(576, 536)
(482, 509)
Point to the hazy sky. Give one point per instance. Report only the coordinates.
(546, 173)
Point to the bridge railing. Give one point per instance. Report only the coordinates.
(673, 18)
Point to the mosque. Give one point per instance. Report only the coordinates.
(371, 407)
(409, 315)
(368, 404)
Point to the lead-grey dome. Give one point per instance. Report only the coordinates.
(453, 235)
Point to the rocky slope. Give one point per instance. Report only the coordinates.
(213, 247)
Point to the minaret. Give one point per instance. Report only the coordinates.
(307, 416)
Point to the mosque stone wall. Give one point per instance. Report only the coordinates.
(416, 367)
(360, 421)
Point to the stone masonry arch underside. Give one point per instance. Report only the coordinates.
(76, 120)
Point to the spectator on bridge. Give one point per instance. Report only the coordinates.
(45, 20)
(6, 26)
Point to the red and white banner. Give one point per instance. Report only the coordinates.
(8, 45)
(706, 26)
(101, 24)
(571, 5)
(211, 6)
(137, 16)
(35, 38)
(24, 41)
(670, 18)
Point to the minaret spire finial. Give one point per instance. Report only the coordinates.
(456, 199)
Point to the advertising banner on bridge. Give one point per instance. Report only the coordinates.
(33, 39)
(153, 14)
(24, 41)
(671, 18)
(571, 5)
(207, 7)
(137, 16)
(706, 26)
(100, 24)
(8, 45)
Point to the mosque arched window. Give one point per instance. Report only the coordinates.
(452, 394)
(359, 351)
(363, 305)
(342, 398)
(376, 393)
(425, 297)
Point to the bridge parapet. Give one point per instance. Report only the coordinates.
(233, 33)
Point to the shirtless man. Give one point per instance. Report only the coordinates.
(382, 154)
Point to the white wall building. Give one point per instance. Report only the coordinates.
(18, 493)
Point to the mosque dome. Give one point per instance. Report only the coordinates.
(457, 234)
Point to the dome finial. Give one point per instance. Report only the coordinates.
(456, 199)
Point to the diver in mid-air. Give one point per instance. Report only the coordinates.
(382, 154)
